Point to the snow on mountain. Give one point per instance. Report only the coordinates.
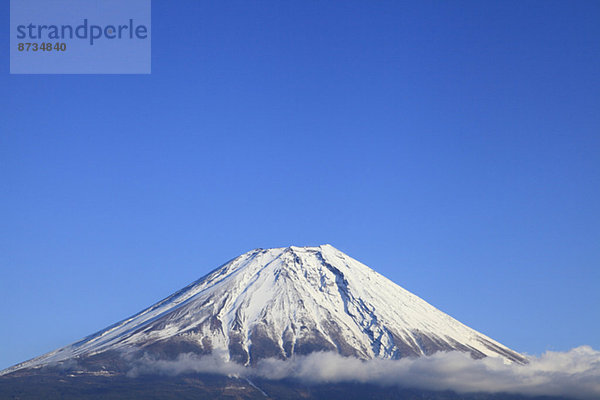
(285, 301)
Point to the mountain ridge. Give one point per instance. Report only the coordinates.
(283, 301)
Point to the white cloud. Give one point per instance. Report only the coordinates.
(575, 373)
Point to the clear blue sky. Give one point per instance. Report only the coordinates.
(452, 146)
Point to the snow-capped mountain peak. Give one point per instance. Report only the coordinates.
(284, 301)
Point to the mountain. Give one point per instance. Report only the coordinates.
(277, 303)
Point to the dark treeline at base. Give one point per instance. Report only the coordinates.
(203, 386)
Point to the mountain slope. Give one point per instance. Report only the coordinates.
(285, 301)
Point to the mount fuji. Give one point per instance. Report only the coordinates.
(277, 303)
